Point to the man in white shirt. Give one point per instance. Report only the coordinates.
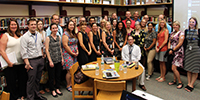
(132, 52)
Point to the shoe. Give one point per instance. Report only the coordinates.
(189, 89)
(142, 87)
(158, 78)
(54, 95)
(161, 80)
(69, 89)
(60, 94)
(172, 83)
(180, 84)
(148, 77)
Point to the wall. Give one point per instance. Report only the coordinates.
(94, 10)
(10, 10)
(73, 10)
(42, 10)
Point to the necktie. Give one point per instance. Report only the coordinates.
(130, 50)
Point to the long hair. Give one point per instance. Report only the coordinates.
(42, 24)
(165, 26)
(68, 30)
(196, 26)
(104, 29)
(81, 24)
(123, 30)
(17, 32)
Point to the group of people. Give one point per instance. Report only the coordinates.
(129, 40)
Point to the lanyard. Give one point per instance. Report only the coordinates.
(35, 39)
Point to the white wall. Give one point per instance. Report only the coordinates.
(13, 10)
(73, 10)
(42, 10)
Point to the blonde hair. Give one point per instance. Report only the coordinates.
(145, 29)
(177, 23)
(104, 28)
(165, 26)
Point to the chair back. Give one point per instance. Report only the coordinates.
(109, 85)
(73, 69)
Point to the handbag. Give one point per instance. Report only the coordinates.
(4, 95)
(44, 77)
(79, 77)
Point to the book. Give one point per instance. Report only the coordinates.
(89, 67)
(108, 60)
(110, 73)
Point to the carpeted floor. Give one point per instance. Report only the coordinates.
(162, 90)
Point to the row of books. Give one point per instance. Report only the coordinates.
(132, 2)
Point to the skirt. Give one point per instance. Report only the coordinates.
(160, 56)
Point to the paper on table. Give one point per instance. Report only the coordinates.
(11, 56)
(112, 66)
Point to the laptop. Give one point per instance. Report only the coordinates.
(129, 96)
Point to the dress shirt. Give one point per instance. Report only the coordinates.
(168, 27)
(60, 31)
(31, 45)
(136, 20)
(135, 53)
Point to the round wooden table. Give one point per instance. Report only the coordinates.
(131, 74)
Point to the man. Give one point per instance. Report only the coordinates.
(113, 17)
(89, 27)
(159, 19)
(128, 17)
(82, 19)
(136, 16)
(55, 19)
(32, 53)
(132, 52)
(146, 18)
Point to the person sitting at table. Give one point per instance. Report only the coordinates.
(132, 52)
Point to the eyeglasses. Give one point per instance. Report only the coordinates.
(130, 39)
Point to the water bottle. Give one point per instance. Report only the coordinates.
(114, 59)
(97, 69)
(125, 67)
(136, 64)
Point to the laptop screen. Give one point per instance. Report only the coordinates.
(129, 96)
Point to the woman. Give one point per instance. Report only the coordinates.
(94, 38)
(55, 59)
(120, 38)
(192, 53)
(114, 25)
(139, 36)
(16, 76)
(175, 43)
(107, 38)
(70, 51)
(161, 48)
(40, 29)
(128, 28)
(84, 47)
(149, 47)
(143, 24)
(74, 20)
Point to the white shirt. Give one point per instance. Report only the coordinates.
(135, 53)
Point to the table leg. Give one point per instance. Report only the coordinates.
(134, 84)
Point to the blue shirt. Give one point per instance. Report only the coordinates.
(137, 20)
(59, 33)
(168, 27)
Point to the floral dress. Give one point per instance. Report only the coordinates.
(69, 60)
(179, 54)
(139, 40)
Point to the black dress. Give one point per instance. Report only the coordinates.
(120, 39)
(109, 41)
(83, 57)
(96, 41)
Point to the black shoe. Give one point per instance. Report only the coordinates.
(40, 98)
(60, 94)
(54, 95)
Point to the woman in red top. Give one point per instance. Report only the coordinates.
(161, 48)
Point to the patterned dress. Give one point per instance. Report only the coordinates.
(139, 40)
(179, 54)
(69, 59)
(192, 52)
(109, 41)
(120, 39)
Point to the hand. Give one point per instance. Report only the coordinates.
(44, 56)
(157, 49)
(10, 64)
(51, 64)
(28, 67)
(98, 53)
(63, 62)
(145, 49)
(171, 52)
(89, 53)
(75, 54)
(120, 49)
(112, 52)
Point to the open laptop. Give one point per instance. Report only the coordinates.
(129, 96)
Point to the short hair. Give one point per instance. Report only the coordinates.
(128, 20)
(130, 36)
(54, 15)
(91, 18)
(114, 13)
(94, 24)
(32, 19)
(52, 25)
(177, 23)
(137, 22)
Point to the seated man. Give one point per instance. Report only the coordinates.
(131, 52)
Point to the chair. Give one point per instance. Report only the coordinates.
(108, 90)
(86, 86)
